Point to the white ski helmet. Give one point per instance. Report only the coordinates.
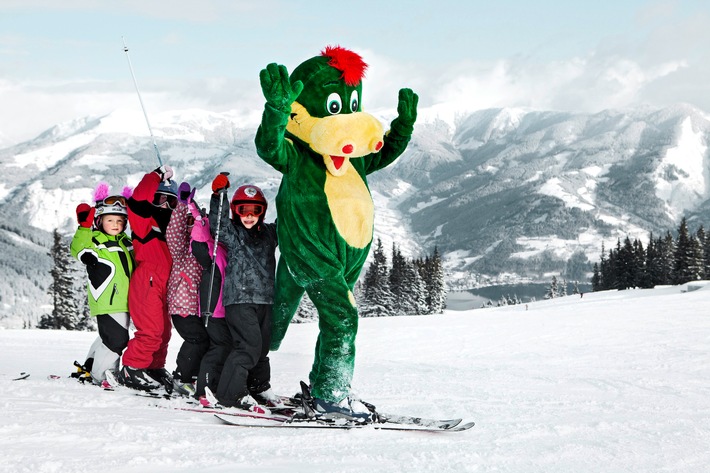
(109, 204)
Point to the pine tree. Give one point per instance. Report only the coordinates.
(602, 269)
(436, 288)
(401, 301)
(625, 265)
(378, 301)
(651, 265)
(702, 242)
(552, 290)
(641, 275)
(696, 268)
(706, 254)
(683, 256)
(418, 290)
(66, 313)
(562, 289)
(665, 249)
(608, 270)
(412, 292)
(596, 278)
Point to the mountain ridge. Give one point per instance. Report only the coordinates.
(504, 194)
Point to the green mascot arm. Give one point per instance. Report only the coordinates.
(400, 132)
(280, 94)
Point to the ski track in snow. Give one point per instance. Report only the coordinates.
(611, 382)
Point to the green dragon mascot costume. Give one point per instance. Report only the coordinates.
(314, 132)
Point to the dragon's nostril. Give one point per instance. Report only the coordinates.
(347, 149)
(378, 146)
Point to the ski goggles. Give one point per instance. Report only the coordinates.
(159, 199)
(248, 209)
(115, 200)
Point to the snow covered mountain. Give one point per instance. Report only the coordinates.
(514, 193)
(505, 194)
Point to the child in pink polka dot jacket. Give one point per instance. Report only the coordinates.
(182, 295)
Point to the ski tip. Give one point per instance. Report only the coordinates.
(23, 375)
(461, 427)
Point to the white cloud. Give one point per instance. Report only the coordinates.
(662, 59)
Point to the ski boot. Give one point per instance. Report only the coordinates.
(137, 379)
(347, 409)
(82, 373)
(183, 389)
(269, 399)
(162, 376)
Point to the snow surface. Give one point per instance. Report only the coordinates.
(607, 382)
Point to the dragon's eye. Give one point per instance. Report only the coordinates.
(334, 104)
(354, 101)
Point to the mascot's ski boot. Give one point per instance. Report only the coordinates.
(348, 409)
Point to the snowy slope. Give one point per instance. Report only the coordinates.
(607, 382)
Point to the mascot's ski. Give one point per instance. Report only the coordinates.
(304, 416)
(306, 423)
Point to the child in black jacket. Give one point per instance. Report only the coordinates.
(248, 295)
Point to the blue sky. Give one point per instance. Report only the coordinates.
(64, 60)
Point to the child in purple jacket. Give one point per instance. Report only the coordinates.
(182, 295)
(202, 247)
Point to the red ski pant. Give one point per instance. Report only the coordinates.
(147, 303)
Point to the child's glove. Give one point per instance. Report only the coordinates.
(220, 183)
(185, 194)
(194, 211)
(85, 215)
(165, 172)
(277, 89)
(406, 113)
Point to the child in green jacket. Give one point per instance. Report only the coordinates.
(107, 253)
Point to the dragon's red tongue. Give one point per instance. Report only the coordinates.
(337, 161)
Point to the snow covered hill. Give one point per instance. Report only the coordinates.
(608, 382)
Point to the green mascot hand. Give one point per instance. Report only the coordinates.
(406, 113)
(278, 91)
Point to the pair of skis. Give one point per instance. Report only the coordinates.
(298, 413)
(391, 423)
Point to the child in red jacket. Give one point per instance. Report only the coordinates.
(149, 211)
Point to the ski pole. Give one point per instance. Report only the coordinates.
(140, 99)
(208, 313)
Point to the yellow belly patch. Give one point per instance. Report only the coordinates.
(351, 207)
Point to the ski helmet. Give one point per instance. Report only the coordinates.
(248, 199)
(109, 204)
(167, 192)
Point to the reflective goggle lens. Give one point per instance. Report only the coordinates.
(245, 209)
(160, 199)
(115, 199)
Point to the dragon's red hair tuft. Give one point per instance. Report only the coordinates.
(349, 63)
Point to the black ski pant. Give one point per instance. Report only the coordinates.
(213, 361)
(246, 369)
(195, 344)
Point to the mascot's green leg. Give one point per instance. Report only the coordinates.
(334, 361)
(288, 296)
